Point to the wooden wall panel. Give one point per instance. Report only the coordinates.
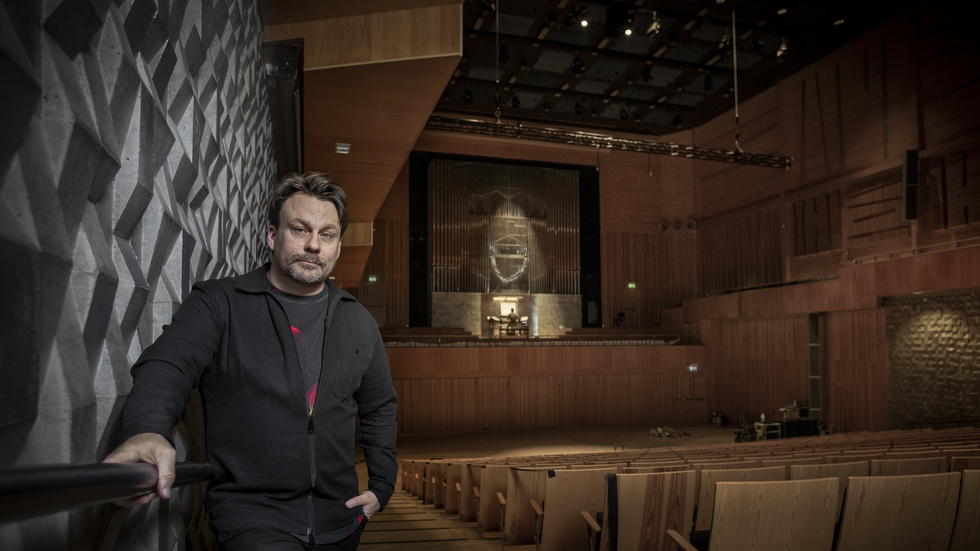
(855, 371)
(663, 266)
(741, 252)
(415, 33)
(459, 389)
(947, 45)
(761, 365)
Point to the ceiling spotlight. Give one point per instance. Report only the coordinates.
(578, 16)
(654, 28)
(628, 31)
(839, 22)
(783, 48)
(782, 11)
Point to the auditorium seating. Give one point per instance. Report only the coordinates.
(567, 494)
(639, 509)
(899, 513)
(785, 514)
(551, 502)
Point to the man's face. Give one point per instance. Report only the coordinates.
(305, 246)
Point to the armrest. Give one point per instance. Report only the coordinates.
(537, 508)
(590, 520)
(501, 498)
(458, 487)
(476, 491)
(681, 541)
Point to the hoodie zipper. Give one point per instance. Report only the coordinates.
(309, 497)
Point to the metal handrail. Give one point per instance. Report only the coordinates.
(31, 491)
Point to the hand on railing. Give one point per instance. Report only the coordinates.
(149, 448)
(31, 491)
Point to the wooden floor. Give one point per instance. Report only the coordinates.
(408, 525)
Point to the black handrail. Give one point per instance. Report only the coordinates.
(31, 491)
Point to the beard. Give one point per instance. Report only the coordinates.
(303, 273)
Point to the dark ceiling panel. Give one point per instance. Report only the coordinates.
(647, 83)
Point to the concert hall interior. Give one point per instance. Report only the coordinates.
(755, 217)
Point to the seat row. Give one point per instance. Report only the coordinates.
(550, 501)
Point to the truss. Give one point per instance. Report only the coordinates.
(599, 141)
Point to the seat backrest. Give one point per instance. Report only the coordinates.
(786, 514)
(566, 494)
(966, 528)
(640, 508)
(896, 467)
(493, 479)
(899, 513)
(843, 472)
(523, 485)
(707, 490)
(717, 465)
(957, 463)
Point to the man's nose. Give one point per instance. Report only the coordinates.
(313, 242)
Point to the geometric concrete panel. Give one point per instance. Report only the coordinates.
(135, 160)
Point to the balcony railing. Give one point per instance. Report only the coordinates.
(31, 491)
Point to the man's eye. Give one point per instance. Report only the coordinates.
(299, 231)
(326, 236)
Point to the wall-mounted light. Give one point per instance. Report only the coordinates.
(631, 285)
(372, 279)
(693, 368)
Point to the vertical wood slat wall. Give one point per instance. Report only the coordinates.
(498, 388)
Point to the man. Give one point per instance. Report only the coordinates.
(285, 363)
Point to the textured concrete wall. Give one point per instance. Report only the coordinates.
(934, 360)
(135, 154)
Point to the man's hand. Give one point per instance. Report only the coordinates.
(153, 449)
(368, 502)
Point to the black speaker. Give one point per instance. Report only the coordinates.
(910, 185)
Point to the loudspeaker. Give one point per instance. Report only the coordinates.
(910, 185)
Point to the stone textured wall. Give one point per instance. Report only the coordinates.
(135, 156)
(934, 360)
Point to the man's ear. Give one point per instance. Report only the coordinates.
(270, 238)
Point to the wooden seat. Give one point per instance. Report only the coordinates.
(566, 495)
(957, 463)
(699, 466)
(709, 479)
(788, 514)
(966, 527)
(524, 486)
(469, 485)
(493, 480)
(896, 467)
(899, 513)
(639, 509)
(843, 472)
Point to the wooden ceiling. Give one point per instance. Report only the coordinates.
(372, 73)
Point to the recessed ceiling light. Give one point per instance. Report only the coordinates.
(839, 21)
(782, 11)
(343, 148)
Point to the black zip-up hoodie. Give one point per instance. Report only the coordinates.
(274, 464)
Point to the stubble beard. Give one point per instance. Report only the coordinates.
(302, 273)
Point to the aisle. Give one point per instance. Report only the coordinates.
(407, 525)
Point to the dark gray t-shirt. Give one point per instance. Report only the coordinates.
(307, 316)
